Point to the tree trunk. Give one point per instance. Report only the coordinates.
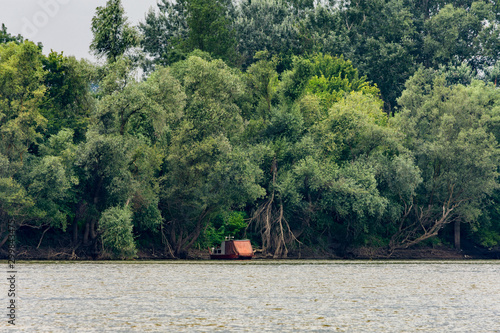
(457, 234)
(93, 233)
(86, 234)
(426, 225)
(75, 230)
(193, 236)
(80, 212)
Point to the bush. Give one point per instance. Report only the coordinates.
(115, 226)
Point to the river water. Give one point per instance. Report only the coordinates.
(258, 296)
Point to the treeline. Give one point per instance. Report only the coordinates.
(330, 125)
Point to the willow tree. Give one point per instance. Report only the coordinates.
(453, 133)
(21, 125)
(205, 171)
(36, 177)
(323, 147)
(120, 160)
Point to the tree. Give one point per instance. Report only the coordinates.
(341, 176)
(262, 82)
(387, 40)
(14, 201)
(213, 90)
(187, 25)
(21, 94)
(485, 232)
(456, 35)
(204, 170)
(38, 176)
(210, 28)
(323, 146)
(266, 25)
(115, 226)
(370, 171)
(334, 77)
(451, 131)
(164, 32)
(112, 34)
(6, 37)
(493, 74)
(381, 44)
(149, 106)
(121, 157)
(68, 101)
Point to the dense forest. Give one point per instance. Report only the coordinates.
(299, 124)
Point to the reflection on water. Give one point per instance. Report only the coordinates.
(254, 296)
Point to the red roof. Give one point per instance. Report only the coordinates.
(240, 247)
(243, 248)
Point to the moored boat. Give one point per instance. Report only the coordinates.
(232, 249)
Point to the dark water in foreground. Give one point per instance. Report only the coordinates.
(256, 296)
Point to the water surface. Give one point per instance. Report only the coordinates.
(255, 296)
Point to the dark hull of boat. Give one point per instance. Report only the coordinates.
(229, 257)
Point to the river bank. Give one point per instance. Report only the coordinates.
(363, 253)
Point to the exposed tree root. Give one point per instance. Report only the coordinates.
(270, 221)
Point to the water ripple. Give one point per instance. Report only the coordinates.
(275, 296)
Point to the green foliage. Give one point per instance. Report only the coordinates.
(493, 74)
(115, 226)
(451, 132)
(262, 82)
(142, 107)
(457, 34)
(163, 32)
(113, 36)
(204, 171)
(336, 171)
(296, 147)
(223, 225)
(334, 77)
(359, 148)
(355, 126)
(6, 37)
(61, 145)
(21, 93)
(285, 125)
(103, 163)
(486, 231)
(210, 28)
(328, 78)
(212, 90)
(386, 40)
(14, 201)
(48, 182)
(266, 25)
(487, 238)
(379, 37)
(38, 179)
(67, 102)
(294, 82)
(202, 176)
(186, 25)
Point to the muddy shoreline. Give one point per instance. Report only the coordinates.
(436, 253)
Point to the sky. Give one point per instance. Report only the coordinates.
(62, 25)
